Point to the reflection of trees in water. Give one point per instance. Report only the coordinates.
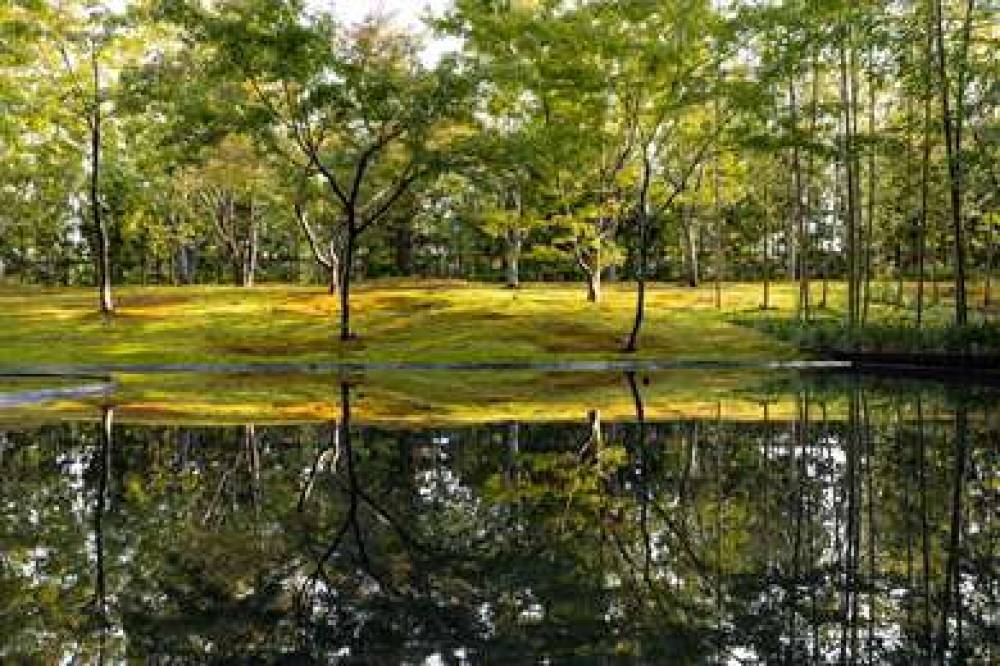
(865, 538)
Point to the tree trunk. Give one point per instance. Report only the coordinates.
(953, 148)
(333, 267)
(594, 285)
(690, 248)
(766, 258)
(935, 287)
(249, 268)
(870, 221)
(403, 248)
(847, 157)
(514, 242)
(987, 287)
(345, 281)
(802, 308)
(925, 164)
(719, 221)
(103, 243)
(640, 273)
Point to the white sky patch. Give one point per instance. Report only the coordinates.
(404, 13)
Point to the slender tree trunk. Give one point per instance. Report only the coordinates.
(953, 147)
(643, 223)
(847, 158)
(690, 247)
(250, 250)
(870, 221)
(719, 221)
(935, 287)
(594, 284)
(925, 163)
(987, 286)
(953, 582)
(345, 281)
(859, 241)
(907, 209)
(103, 486)
(766, 256)
(899, 274)
(514, 241)
(103, 248)
(802, 308)
(334, 268)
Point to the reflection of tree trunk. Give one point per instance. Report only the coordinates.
(908, 520)
(643, 480)
(924, 526)
(848, 606)
(594, 283)
(988, 283)
(323, 461)
(103, 483)
(252, 454)
(591, 446)
(869, 447)
(953, 579)
(799, 471)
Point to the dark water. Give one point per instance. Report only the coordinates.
(865, 530)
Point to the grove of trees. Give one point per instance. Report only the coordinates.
(185, 141)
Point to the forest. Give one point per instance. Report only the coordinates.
(828, 172)
(499, 331)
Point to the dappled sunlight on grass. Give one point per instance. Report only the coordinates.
(396, 320)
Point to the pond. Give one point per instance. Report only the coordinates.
(847, 521)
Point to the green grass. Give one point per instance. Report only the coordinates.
(396, 321)
(407, 321)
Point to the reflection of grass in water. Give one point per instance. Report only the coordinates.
(10, 385)
(421, 397)
(414, 399)
(402, 321)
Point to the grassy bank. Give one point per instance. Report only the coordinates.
(396, 321)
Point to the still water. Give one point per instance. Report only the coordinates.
(856, 524)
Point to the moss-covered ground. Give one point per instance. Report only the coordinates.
(398, 321)
(395, 321)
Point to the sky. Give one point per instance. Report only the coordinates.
(404, 12)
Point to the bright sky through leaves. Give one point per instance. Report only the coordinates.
(403, 12)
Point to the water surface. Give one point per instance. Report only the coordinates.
(845, 523)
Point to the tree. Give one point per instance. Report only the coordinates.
(82, 49)
(356, 108)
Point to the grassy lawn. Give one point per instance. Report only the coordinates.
(396, 321)
(403, 321)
